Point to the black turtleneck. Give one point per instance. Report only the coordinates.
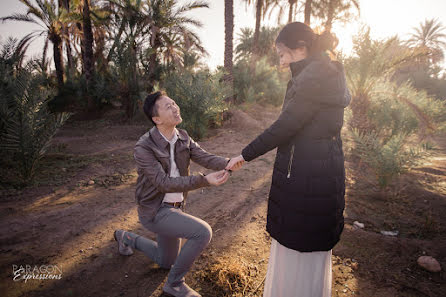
(297, 67)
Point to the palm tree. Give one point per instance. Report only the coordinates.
(167, 18)
(229, 37)
(51, 18)
(259, 12)
(373, 61)
(267, 37)
(163, 25)
(307, 12)
(271, 5)
(26, 124)
(88, 45)
(338, 9)
(430, 37)
(132, 18)
(66, 34)
(259, 9)
(88, 28)
(291, 12)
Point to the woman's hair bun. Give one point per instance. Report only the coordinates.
(326, 41)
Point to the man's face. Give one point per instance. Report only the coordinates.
(168, 112)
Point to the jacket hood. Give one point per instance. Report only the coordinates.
(322, 80)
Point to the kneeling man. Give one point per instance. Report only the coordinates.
(163, 156)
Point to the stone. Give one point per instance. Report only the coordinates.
(91, 182)
(390, 233)
(116, 104)
(429, 263)
(358, 225)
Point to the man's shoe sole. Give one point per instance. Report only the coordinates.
(114, 235)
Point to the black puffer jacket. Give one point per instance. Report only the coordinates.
(306, 201)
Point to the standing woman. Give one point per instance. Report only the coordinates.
(306, 200)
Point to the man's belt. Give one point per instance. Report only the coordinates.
(174, 204)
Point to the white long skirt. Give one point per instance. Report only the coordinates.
(295, 274)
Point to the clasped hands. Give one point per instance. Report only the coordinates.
(220, 177)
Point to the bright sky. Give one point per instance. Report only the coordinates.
(386, 18)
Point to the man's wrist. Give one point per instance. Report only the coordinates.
(205, 180)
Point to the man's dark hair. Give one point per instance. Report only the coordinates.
(150, 108)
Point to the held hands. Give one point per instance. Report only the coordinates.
(235, 163)
(217, 178)
(220, 177)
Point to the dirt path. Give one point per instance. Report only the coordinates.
(71, 225)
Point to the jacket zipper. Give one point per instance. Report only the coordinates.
(291, 162)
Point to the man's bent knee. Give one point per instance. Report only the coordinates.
(205, 233)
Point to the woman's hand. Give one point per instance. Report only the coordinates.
(217, 178)
(235, 163)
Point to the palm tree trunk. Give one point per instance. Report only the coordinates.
(58, 61)
(255, 45)
(307, 12)
(153, 65)
(291, 10)
(255, 49)
(132, 81)
(153, 58)
(88, 50)
(330, 15)
(69, 53)
(66, 4)
(229, 36)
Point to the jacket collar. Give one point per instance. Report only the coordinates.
(297, 67)
(160, 140)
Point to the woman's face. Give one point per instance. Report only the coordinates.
(288, 55)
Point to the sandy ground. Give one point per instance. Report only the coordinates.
(69, 223)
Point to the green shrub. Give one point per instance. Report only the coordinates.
(200, 96)
(268, 85)
(26, 125)
(389, 115)
(403, 109)
(387, 158)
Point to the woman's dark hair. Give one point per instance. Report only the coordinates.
(297, 35)
(149, 107)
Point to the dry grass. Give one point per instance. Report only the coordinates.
(230, 277)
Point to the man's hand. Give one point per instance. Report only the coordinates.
(217, 178)
(235, 163)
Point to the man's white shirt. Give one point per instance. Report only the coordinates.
(174, 172)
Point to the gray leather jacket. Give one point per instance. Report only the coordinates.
(152, 156)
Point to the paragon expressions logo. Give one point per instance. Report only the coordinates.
(39, 272)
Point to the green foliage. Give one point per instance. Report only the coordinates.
(27, 126)
(267, 38)
(268, 85)
(200, 96)
(401, 108)
(397, 113)
(387, 158)
(389, 115)
(393, 110)
(125, 71)
(373, 61)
